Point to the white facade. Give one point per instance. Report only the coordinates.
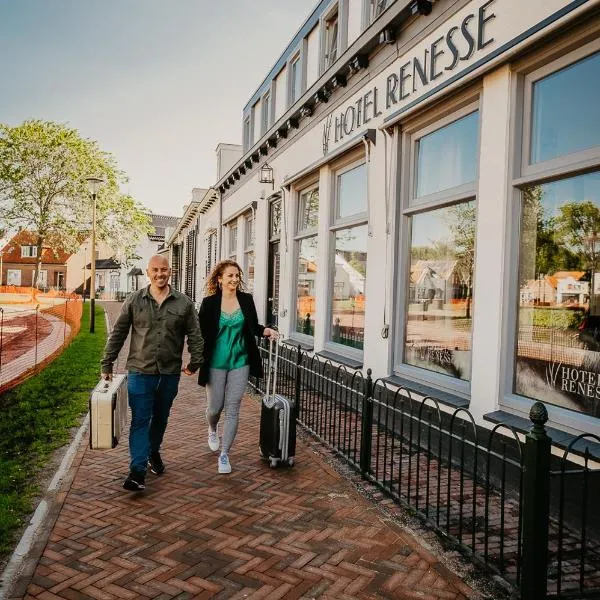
(428, 147)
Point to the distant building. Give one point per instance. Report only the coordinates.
(19, 259)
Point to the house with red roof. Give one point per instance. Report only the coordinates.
(19, 257)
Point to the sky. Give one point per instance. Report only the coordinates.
(157, 83)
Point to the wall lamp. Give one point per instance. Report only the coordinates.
(266, 175)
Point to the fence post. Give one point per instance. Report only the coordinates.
(297, 380)
(1, 334)
(36, 336)
(536, 506)
(65, 321)
(366, 426)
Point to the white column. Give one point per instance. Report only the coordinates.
(491, 272)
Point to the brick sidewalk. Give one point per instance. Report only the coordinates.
(256, 533)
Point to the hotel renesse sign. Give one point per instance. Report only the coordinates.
(472, 34)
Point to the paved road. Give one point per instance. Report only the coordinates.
(296, 533)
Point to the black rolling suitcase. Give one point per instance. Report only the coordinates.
(277, 419)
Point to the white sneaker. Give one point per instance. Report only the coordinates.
(213, 440)
(224, 464)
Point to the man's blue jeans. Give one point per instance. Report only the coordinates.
(150, 400)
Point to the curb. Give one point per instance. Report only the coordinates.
(30, 536)
(48, 506)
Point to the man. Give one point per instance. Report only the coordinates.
(159, 318)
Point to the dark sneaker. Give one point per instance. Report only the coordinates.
(135, 482)
(156, 464)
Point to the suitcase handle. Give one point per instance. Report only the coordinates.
(272, 367)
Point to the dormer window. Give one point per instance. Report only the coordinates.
(377, 8)
(29, 252)
(331, 40)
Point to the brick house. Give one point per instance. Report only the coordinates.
(19, 257)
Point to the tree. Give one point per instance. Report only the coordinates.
(578, 226)
(462, 228)
(43, 170)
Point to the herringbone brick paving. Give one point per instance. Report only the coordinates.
(257, 533)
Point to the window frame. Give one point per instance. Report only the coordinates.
(547, 61)
(249, 244)
(232, 248)
(266, 117)
(408, 206)
(28, 251)
(247, 132)
(561, 165)
(346, 164)
(296, 58)
(300, 235)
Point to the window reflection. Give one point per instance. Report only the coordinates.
(348, 304)
(566, 117)
(307, 275)
(440, 290)
(447, 157)
(558, 338)
(352, 192)
(308, 210)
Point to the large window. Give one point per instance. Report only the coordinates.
(349, 257)
(557, 357)
(441, 212)
(306, 261)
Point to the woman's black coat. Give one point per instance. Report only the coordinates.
(209, 315)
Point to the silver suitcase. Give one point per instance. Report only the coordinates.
(108, 412)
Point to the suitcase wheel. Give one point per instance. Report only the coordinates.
(291, 461)
(273, 462)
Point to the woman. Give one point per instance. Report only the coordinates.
(229, 326)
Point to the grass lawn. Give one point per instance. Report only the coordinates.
(37, 417)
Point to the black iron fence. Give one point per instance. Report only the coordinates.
(501, 497)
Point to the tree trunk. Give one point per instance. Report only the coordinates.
(38, 262)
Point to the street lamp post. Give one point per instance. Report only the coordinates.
(94, 184)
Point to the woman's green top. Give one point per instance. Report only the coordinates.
(230, 349)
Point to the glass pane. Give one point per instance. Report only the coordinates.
(558, 341)
(307, 275)
(352, 192)
(348, 303)
(249, 232)
(566, 112)
(296, 80)
(308, 210)
(249, 271)
(440, 291)
(233, 239)
(447, 157)
(275, 219)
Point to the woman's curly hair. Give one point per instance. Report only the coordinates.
(212, 283)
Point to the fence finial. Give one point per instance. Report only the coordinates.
(538, 415)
